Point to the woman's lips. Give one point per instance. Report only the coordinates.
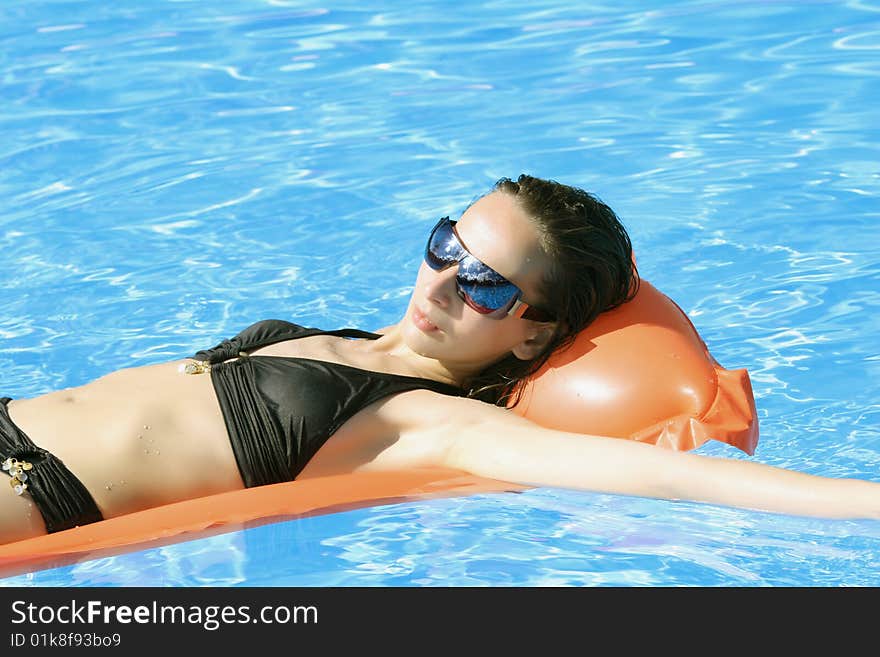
(422, 323)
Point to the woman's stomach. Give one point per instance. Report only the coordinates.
(136, 438)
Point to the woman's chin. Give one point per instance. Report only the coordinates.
(419, 343)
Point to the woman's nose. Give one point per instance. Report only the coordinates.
(440, 286)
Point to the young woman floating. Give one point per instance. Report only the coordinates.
(519, 275)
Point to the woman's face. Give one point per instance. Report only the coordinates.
(440, 325)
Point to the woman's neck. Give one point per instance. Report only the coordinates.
(393, 346)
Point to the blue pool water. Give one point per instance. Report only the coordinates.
(172, 171)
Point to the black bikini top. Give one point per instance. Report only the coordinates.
(280, 410)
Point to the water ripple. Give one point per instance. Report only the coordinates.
(173, 176)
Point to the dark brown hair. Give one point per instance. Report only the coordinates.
(592, 272)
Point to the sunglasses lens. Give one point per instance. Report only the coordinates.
(487, 301)
(443, 249)
(484, 289)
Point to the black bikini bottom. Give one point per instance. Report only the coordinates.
(61, 498)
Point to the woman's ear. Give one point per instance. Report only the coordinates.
(539, 338)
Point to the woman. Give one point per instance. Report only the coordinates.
(526, 268)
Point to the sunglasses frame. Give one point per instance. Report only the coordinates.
(518, 308)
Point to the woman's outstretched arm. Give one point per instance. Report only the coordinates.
(497, 444)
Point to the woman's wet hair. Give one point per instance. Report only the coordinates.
(592, 271)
